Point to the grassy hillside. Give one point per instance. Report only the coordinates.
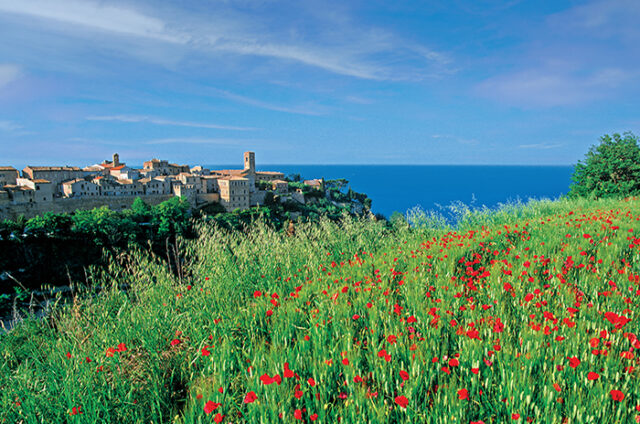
(528, 314)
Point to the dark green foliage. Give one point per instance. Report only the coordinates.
(611, 168)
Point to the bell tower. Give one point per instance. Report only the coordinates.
(116, 159)
(250, 161)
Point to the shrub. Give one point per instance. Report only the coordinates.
(611, 168)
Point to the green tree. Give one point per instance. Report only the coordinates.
(610, 168)
(171, 217)
(49, 225)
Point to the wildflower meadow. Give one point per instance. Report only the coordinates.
(524, 314)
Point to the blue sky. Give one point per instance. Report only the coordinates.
(316, 82)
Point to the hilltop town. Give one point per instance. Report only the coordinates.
(67, 188)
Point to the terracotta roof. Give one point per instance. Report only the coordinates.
(13, 187)
(74, 181)
(41, 181)
(233, 177)
(229, 171)
(7, 168)
(53, 168)
(117, 168)
(279, 181)
(269, 173)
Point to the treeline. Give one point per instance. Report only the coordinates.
(55, 248)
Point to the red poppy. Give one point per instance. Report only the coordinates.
(75, 411)
(313, 417)
(515, 416)
(593, 376)
(211, 406)
(218, 418)
(404, 375)
(391, 339)
(463, 394)
(311, 382)
(297, 414)
(574, 362)
(402, 401)
(205, 352)
(175, 342)
(617, 395)
(122, 347)
(250, 397)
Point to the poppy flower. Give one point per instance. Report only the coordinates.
(402, 401)
(404, 375)
(210, 406)
(515, 416)
(593, 376)
(205, 352)
(311, 382)
(313, 417)
(175, 342)
(75, 411)
(218, 418)
(574, 362)
(463, 394)
(250, 397)
(617, 395)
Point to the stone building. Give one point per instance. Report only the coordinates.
(8, 175)
(19, 194)
(190, 179)
(269, 176)
(43, 190)
(164, 167)
(234, 193)
(209, 184)
(280, 186)
(55, 174)
(155, 186)
(129, 188)
(81, 188)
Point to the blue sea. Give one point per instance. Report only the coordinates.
(402, 187)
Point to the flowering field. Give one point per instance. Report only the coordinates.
(521, 315)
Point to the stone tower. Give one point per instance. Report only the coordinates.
(250, 161)
(116, 159)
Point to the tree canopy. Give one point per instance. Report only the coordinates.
(610, 168)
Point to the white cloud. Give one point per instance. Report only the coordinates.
(540, 146)
(549, 88)
(8, 73)
(9, 126)
(95, 15)
(300, 110)
(161, 121)
(361, 53)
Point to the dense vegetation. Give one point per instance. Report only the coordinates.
(56, 248)
(517, 315)
(611, 168)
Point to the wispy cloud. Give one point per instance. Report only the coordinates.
(8, 73)
(300, 110)
(540, 146)
(161, 121)
(582, 54)
(89, 14)
(549, 87)
(9, 126)
(460, 140)
(368, 53)
(187, 140)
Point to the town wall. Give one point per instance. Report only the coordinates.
(29, 210)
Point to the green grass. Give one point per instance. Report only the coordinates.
(428, 286)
